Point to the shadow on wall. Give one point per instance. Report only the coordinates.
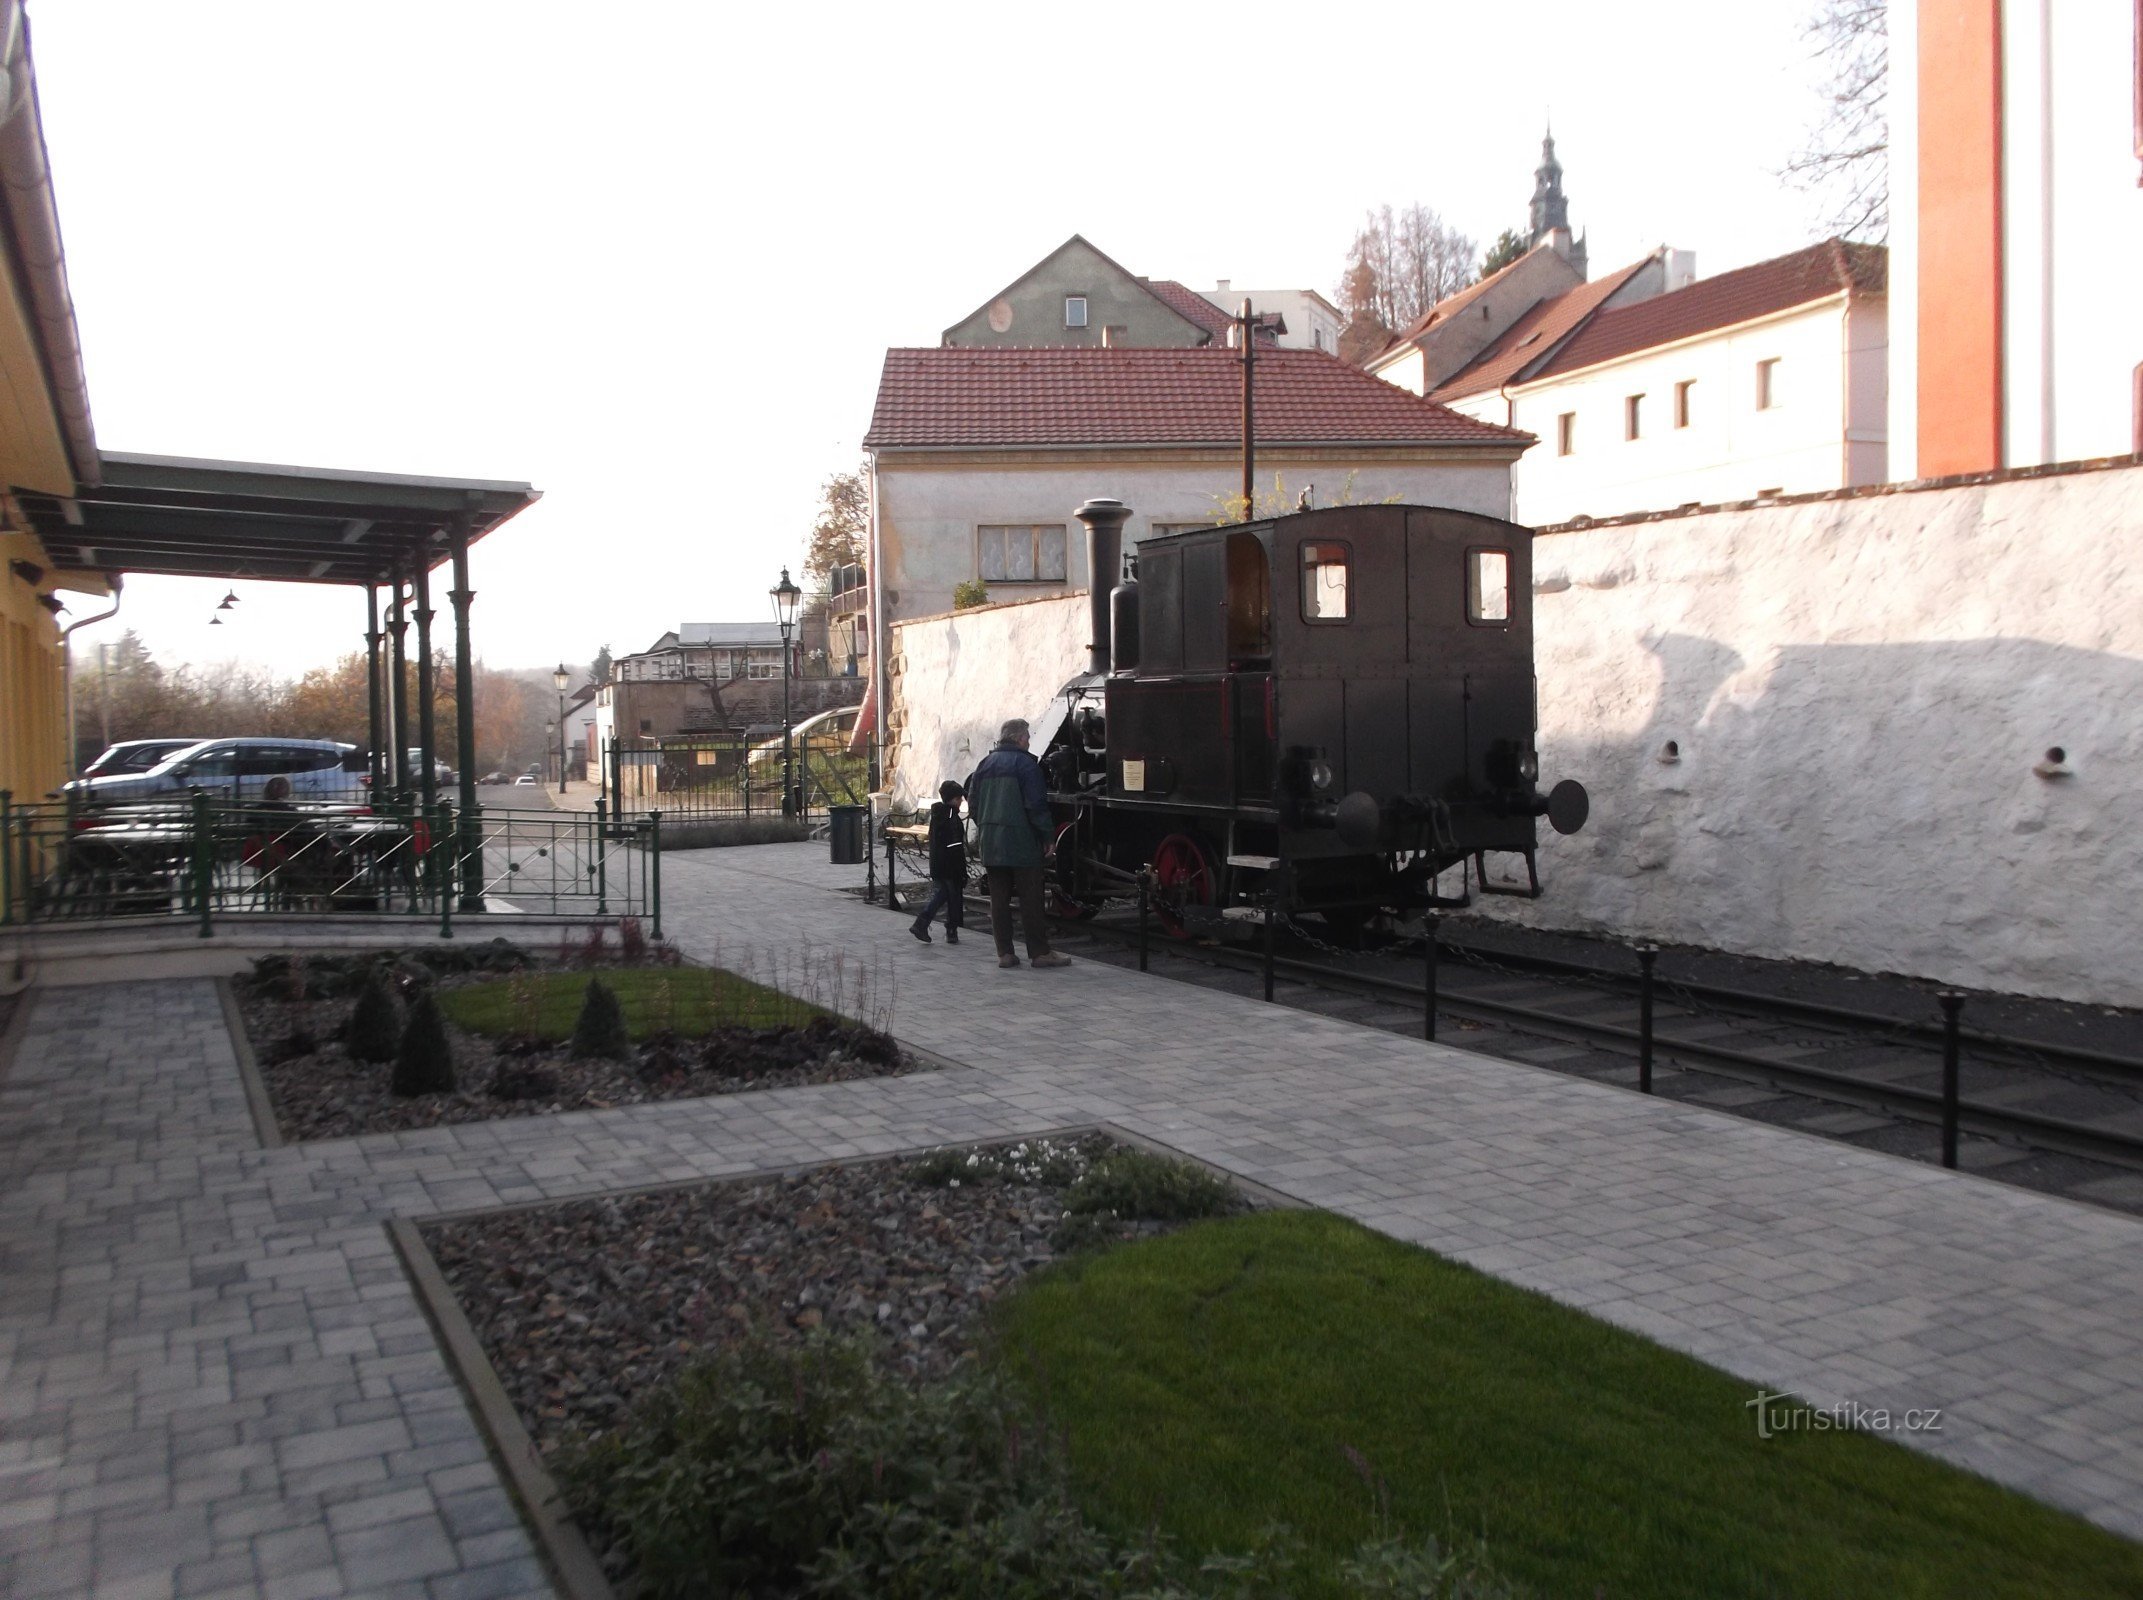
(1881, 806)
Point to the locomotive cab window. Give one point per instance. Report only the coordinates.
(1488, 587)
(1325, 586)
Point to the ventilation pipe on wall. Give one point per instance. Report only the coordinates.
(1104, 521)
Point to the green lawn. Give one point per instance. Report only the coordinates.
(687, 1000)
(1209, 1381)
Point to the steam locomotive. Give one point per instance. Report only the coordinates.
(1325, 712)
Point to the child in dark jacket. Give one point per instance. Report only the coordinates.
(948, 865)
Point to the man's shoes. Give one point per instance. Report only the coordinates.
(1049, 958)
(919, 931)
(1008, 961)
(952, 935)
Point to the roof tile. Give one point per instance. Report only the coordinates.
(950, 397)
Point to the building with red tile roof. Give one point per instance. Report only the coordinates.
(1770, 379)
(978, 455)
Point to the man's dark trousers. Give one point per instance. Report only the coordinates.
(1027, 883)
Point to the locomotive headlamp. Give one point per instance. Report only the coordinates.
(1528, 766)
(1320, 776)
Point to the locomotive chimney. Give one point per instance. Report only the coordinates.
(1104, 521)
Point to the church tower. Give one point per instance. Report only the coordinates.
(1550, 215)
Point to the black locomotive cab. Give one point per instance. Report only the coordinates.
(1332, 709)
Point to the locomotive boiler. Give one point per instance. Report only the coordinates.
(1326, 712)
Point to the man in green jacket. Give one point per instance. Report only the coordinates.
(1010, 805)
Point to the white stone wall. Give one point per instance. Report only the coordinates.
(1859, 690)
(956, 678)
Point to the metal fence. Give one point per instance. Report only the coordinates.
(199, 860)
(693, 779)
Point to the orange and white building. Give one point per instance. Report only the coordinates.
(2016, 154)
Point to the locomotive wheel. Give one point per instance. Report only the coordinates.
(1064, 901)
(1183, 876)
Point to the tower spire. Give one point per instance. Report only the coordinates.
(1551, 210)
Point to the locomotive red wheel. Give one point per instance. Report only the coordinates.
(1182, 876)
(1064, 901)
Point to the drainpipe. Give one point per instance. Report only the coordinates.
(67, 669)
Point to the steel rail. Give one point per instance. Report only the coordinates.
(2018, 1049)
(1913, 1105)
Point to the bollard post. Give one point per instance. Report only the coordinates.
(1428, 978)
(892, 899)
(1272, 905)
(654, 859)
(7, 857)
(870, 863)
(1952, 1004)
(1647, 954)
(602, 860)
(1145, 906)
(204, 860)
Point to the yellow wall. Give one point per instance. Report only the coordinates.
(33, 694)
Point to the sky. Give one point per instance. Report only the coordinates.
(647, 256)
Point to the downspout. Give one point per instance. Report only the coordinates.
(30, 224)
(67, 668)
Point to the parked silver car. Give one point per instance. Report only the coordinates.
(131, 756)
(316, 769)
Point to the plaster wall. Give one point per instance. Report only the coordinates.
(1031, 311)
(957, 678)
(1312, 322)
(1859, 690)
(929, 512)
(1731, 449)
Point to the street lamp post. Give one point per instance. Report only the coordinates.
(785, 596)
(559, 680)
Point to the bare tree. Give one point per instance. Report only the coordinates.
(1401, 263)
(844, 518)
(1846, 160)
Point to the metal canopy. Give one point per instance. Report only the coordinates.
(245, 519)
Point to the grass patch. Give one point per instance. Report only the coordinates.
(685, 1000)
(1214, 1380)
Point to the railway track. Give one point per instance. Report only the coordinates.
(2049, 1115)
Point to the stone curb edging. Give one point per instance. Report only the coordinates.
(265, 1127)
(564, 1548)
(558, 1538)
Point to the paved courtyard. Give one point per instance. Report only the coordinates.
(214, 1379)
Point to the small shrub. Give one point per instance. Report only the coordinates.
(1048, 1163)
(375, 1032)
(760, 1464)
(425, 1062)
(970, 592)
(1152, 1188)
(601, 1030)
(632, 941)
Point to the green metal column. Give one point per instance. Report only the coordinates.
(398, 689)
(427, 712)
(376, 756)
(471, 827)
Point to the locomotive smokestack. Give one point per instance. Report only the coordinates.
(1104, 521)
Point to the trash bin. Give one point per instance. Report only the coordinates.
(848, 834)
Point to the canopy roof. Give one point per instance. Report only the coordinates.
(246, 519)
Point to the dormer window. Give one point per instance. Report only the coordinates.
(1075, 311)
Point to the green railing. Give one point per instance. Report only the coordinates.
(699, 779)
(199, 859)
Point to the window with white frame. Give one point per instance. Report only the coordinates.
(1020, 552)
(1566, 433)
(1633, 417)
(1682, 393)
(1075, 311)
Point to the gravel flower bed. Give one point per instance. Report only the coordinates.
(319, 1090)
(585, 1306)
